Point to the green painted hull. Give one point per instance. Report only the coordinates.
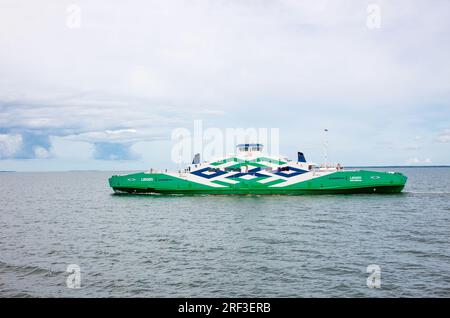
(339, 182)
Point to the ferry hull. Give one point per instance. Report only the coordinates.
(339, 182)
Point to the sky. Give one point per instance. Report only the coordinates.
(103, 84)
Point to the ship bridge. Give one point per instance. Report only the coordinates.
(246, 148)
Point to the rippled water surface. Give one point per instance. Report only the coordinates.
(211, 246)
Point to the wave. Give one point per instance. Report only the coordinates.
(27, 270)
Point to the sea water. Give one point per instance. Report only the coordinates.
(64, 230)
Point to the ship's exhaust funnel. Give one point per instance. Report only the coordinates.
(301, 157)
(196, 159)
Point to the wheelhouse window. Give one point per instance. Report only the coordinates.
(250, 147)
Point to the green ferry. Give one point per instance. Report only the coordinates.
(250, 171)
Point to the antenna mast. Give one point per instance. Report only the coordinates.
(325, 145)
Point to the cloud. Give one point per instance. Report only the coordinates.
(63, 149)
(132, 73)
(119, 136)
(41, 152)
(113, 151)
(88, 112)
(221, 51)
(417, 161)
(90, 118)
(26, 145)
(444, 136)
(9, 145)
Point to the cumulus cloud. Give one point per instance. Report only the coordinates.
(9, 145)
(26, 145)
(41, 152)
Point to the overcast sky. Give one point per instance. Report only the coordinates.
(106, 90)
